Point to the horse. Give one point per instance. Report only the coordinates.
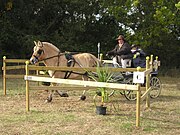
(52, 56)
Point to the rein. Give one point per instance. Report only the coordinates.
(67, 73)
(59, 54)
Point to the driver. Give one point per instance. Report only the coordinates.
(122, 52)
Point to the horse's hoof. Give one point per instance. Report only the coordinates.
(83, 97)
(48, 100)
(62, 94)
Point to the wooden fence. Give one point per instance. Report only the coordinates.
(28, 77)
(20, 64)
(12, 64)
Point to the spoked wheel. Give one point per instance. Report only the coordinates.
(156, 86)
(110, 92)
(130, 94)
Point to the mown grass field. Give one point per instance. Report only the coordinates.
(70, 116)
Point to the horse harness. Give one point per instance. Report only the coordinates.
(70, 63)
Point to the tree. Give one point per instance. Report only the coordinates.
(79, 25)
(152, 24)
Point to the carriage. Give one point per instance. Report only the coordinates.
(125, 78)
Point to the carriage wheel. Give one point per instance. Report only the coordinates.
(110, 92)
(130, 94)
(156, 86)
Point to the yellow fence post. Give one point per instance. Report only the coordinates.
(138, 101)
(4, 74)
(27, 87)
(101, 59)
(37, 73)
(147, 82)
(156, 58)
(156, 64)
(151, 62)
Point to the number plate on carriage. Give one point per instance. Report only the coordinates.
(138, 77)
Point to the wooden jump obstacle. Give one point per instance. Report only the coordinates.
(137, 88)
(7, 67)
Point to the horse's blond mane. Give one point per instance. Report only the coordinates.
(51, 45)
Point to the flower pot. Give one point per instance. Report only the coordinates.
(101, 110)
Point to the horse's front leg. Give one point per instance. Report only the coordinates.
(49, 98)
(51, 93)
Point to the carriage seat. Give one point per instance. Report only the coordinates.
(126, 63)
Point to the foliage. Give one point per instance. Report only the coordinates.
(152, 24)
(80, 25)
(102, 75)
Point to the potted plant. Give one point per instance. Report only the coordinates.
(102, 75)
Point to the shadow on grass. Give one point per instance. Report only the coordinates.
(174, 126)
(176, 122)
(166, 98)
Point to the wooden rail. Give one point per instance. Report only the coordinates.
(28, 78)
(7, 67)
(89, 84)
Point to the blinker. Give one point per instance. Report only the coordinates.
(39, 52)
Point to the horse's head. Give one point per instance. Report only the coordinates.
(38, 52)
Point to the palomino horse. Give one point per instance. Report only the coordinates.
(52, 56)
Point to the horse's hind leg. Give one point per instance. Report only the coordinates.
(49, 98)
(62, 94)
(83, 97)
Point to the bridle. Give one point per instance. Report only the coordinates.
(40, 51)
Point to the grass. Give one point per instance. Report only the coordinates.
(70, 116)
